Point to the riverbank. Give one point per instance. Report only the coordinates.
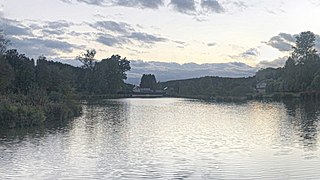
(21, 111)
(256, 96)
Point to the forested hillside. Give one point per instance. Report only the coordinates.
(211, 87)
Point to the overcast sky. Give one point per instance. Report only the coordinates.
(200, 31)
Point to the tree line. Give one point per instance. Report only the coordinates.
(301, 72)
(37, 92)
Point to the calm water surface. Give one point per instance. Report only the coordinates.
(170, 139)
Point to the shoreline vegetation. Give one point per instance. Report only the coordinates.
(39, 92)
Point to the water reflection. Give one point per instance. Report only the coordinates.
(168, 139)
(304, 118)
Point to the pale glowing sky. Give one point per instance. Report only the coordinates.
(201, 31)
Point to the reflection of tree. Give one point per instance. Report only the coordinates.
(304, 117)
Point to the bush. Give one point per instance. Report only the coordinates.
(16, 115)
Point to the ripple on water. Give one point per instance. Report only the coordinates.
(170, 139)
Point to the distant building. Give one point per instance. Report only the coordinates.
(138, 89)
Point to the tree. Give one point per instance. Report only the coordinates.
(315, 84)
(87, 59)
(148, 81)
(109, 74)
(3, 43)
(6, 71)
(305, 47)
(24, 71)
(6, 74)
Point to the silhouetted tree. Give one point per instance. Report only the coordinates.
(87, 59)
(24, 71)
(3, 43)
(305, 47)
(6, 74)
(109, 74)
(148, 81)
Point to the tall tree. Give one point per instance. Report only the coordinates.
(305, 47)
(87, 59)
(6, 71)
(3, 43)
(148, 81)
(109, 74)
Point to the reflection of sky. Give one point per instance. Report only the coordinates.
(173, 138)
(240, 31)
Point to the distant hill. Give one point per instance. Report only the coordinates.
(166, 71)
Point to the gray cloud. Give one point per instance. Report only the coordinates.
(22, 37)
(14, 28)
(92, 2)
(35, 47)
(145, 38)
(49, 32)
(57, 24)
(212, 5)
(280, 62)
(184, 6)
(282, 42)
(153, 4)
(112, 26)
(54, 28)
(111, 41)
(211, 44)
(252, 52)
(126, 34)
(165, 71)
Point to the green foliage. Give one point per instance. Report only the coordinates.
(24, 71)
(6, 75)
(87, 59)
(18, 115)
(305, 47)
(301, 70)
(33, 95)
(148, 81)
(108, 75)
(315, 84)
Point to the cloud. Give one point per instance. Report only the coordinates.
(282, 42)
(211, 44)
(32, 44)
(191, 7)
(280, 62)
(111, 41)
(165, 71)
(49, 32)
(57, 24)
(145, 38)
(252, 52)
(152, 4)
(212, 6)
(35, 47)
(184, 6)
(125, 34)
(14, 28)
(112, 26)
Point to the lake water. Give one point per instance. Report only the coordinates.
(170, 138)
